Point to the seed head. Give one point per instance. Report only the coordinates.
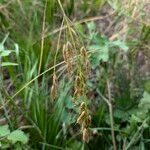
(81, 118)
(55, 80)
(82, 106)
(53, 91)
(88, 120)
(86, 135)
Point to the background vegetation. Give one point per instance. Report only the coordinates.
(57, 55)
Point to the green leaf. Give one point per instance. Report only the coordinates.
(69, 104)
(101, 54)
(135, 118)
(80, 29)
(4, 64)
(4, 145)
(121, 114)
(91, 26)
(94, 47)
(74, 145)
(5, 52)
(1, 47)
(147, 86)
(104, 54)
(18, 136)
(145, 101)
(120, 44)
(4, 130)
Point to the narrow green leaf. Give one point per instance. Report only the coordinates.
(4, 64)
(5, 52)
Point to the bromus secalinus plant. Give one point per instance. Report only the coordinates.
(74, 75)
(78, 69)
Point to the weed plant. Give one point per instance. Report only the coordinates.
(74, 75)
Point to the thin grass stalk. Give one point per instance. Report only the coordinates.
(111, 116)
(42, 41)
(58, 45)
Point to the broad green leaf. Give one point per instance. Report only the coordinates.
(135, 118)
(145, 101)
(4, 64)
(74, 145)
(18, 136)
(120, 44)
(147, 86)
(101, 40)
(121, 114)
(94, 47)
(4, 145)
(4, 130)
(101, 53)
(104, 54)
(91, 26)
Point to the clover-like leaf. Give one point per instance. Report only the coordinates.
(4, 130)
(18, 136)
(120, 44)
(145, 101)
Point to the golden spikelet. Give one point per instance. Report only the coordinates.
(85, 60)
(69, 49)
(76, 92)
(53, 91)
(55, 80)
(86, 135)
(83, 53)
(88, 120)
(88, 68)
(54, 87)
(68, 55)
(82, 106)
(77, 81)
(81, 118)
(64, 53)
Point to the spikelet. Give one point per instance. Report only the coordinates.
(88, 120)
(85, 60)
(81, 118)
(53, 91)
(69, 49)
(55, 80)
(86, 135)
(82, 106)
(83, 53)
(77, 81)
(65, 53)
(68, 55)
(54, 87)
(76, 93)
